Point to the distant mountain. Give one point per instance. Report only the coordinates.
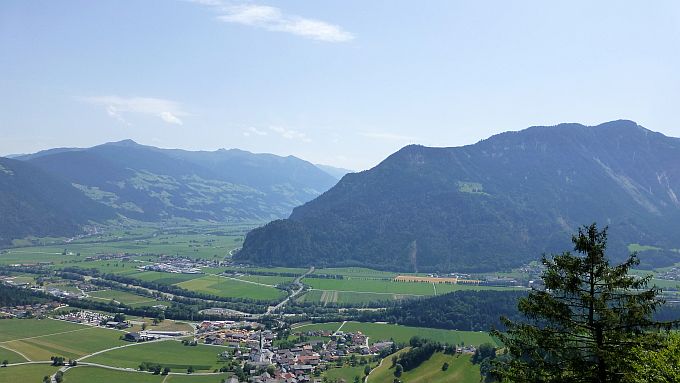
(148, 183)
(33, 202)
(493, 205)
(337, 173)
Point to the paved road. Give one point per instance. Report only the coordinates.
(30, 362)
(340, 328)
(369, 374)
(300, 287)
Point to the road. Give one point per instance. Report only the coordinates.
(15, 351)
(81, 363)
(300, 287)
(340, 328)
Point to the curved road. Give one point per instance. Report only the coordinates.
(300, 287)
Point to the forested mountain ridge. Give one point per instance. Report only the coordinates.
(496, 204)
(33, 202)
(148, 183)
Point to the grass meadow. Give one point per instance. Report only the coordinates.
(73, 344)
(460, 370)
(226, 287)
(89, 374)
(168, 353)
(27, 373)
(122, 297)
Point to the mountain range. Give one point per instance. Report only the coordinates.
(151, 184)
(497, 204)
(34, 202)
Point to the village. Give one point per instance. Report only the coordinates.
(269, 360)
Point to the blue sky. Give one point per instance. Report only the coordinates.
(343, 83)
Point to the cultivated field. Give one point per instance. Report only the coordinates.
(168, 353)
(86, 374)
(357, 272)
(89, 374)
(266, 279)
(10, 356)
(27, 373)
(13, 329)
(230, 288)
(72, 343)
(122, 297)
(346, 372)
(362, 290)
(349, 297)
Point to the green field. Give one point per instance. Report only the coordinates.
(168, 353)
(354, 298)
(88, 374)
(665, 284)
(387, 287)
(379, 331)
(384, 372)
(217, 378)
(166, 325)
(114, 266)
(637, 247)
(122, 297)
(230, 288)
(10, 356)
(346, 372)
(266, 279)
(460, 370)
(163, 278)
(185, 238)
(357, 272)
(11, 329)
(27, 373)
(187, 245)
(71, 344)
(85, 374)
(330, 326)
(279, 270)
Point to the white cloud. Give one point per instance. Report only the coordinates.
(290, 134)
(254, 131)
(388, 136)
(116, 107)
(274, 19)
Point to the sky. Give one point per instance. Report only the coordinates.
(344, 83)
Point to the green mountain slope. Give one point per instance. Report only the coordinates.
(33, 202)
(148, 183)
(492, 205)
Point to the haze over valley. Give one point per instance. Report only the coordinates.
(260, 191)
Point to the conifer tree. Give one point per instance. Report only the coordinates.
(586, 322)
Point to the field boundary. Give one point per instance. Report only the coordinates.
(46, 335)
(16, 352)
